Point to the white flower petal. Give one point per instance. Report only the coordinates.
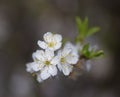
(55, 60)
(44, 73)
(59, 66)
(48, 37)
(33, 67)
(39, 78)
(57, 37)
(66, 51)
(49, 54)
(66, 68)
(72, 59)
(71, 46)
(52, 70)
(29, 67)
(57, 46)
(42, 44)
(39, 55)
(51, 48)
(59, 53)
(70, 53)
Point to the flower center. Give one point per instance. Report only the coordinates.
(62, 60)
(51, 44)
(47, 62)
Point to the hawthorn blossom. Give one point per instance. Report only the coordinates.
(68, 56)
(44, 64)
(51, 41)
(32, 67)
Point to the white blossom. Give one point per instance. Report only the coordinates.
(44, 64)
(51, 41)
(68, 56)
(32, 67)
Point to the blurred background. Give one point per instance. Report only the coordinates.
(23, 22)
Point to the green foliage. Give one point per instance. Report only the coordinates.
(84, 30)
(89, 54)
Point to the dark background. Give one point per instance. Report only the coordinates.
(23, 22)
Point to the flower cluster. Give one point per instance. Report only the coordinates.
(68, 58)
(53, 57)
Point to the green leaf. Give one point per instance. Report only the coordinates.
(97, 54)
(82, 27)
(85, 51)
(85, 48)
(85, 26)
(89, 54)
(84, 30)
(92, 31)
(78, 22)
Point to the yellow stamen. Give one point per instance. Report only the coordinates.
(51, 44)
(47, 62)
(62, 60)
(33, 74)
